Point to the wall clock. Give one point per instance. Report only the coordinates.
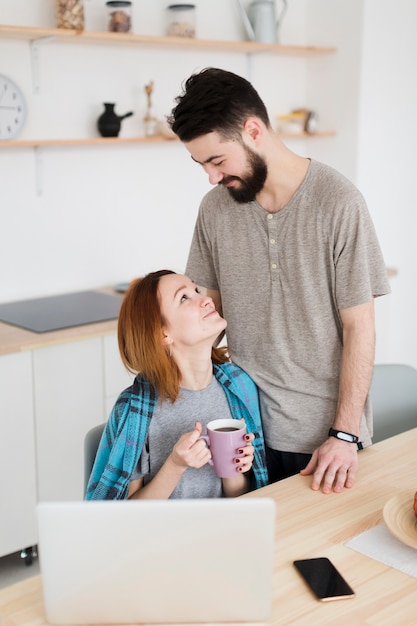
(12, 109)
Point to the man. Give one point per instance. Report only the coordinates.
(288, 248)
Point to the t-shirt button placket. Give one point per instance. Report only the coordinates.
(273, 249)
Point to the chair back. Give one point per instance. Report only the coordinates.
(91, 441)
(394, 399)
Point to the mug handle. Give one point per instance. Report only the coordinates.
(207, 440)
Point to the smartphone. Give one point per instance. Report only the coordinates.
(324, 579)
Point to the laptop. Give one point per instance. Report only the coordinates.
(157, 561)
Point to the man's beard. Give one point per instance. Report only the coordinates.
(252, 182)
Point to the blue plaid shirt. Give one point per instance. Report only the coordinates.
(125, 433)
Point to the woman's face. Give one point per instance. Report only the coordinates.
(190, 318)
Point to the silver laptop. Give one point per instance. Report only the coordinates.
(157, 561)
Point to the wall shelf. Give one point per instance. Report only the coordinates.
(40, 143)
(37, 36)
(103, 141)
(129, 39)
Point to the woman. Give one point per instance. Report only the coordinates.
(151, 446)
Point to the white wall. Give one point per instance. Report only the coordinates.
(107, 214)
(387, 162)
(337, 21)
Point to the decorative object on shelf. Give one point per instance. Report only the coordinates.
(120, 16)
(150, 121)
(298, 121)
(181, 20)
(311, 125)
(12, 109)
(70, 14)
(109, 122)
(163, 129)
(260, 21)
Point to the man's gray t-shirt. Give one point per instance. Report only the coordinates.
(283, 278)
(169, 422)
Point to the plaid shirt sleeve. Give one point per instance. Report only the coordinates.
(122, 442)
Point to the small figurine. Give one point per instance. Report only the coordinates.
(150, 121)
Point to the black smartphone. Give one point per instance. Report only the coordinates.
(324, 579)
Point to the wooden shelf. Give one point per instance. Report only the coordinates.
(39, 143)
(324, 133)
(36, 35)
(128, 39)
(103, 141)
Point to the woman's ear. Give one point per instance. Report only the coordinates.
(166, 338)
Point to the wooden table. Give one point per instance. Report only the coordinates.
(311, 524)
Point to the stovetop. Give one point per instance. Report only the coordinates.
(43, 315)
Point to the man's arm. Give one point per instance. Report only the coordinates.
(356, 366)
(335, 462)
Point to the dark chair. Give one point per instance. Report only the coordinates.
(91, 441)
(394, 400)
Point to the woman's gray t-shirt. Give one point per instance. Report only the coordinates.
(168, 423)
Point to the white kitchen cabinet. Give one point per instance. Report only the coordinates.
(116, 376)
(17, 454)
(68, 400)
(50, 396)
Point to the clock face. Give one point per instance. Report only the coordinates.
(12, 109)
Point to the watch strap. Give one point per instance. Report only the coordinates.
(343, 436)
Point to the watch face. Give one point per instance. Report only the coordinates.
(12, 109)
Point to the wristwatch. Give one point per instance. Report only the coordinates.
(340, 434)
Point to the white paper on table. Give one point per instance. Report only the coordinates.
(378, 543)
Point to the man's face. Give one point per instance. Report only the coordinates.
(230, 163)
(251, 181)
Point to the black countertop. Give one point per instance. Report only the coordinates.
(43, 315)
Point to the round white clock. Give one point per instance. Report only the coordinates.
(12, 109)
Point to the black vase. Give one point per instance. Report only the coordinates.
(109, 122)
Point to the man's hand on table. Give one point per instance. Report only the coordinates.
(333, 466)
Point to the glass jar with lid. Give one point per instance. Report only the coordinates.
(70, 14)
(181, 20)
(120, 16)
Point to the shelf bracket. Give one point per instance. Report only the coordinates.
(35, 63)
(37, 151)
(249, 67)
(34, 59)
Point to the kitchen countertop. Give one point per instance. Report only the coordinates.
(16, 339)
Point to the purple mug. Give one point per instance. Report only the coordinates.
(224, 437)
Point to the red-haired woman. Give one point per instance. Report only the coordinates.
(151, 446)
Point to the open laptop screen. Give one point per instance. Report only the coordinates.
(154, 561)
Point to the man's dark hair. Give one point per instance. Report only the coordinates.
(215, 100)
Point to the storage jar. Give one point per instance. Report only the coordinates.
(181, 20)
(120, 16)
(70, 14)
